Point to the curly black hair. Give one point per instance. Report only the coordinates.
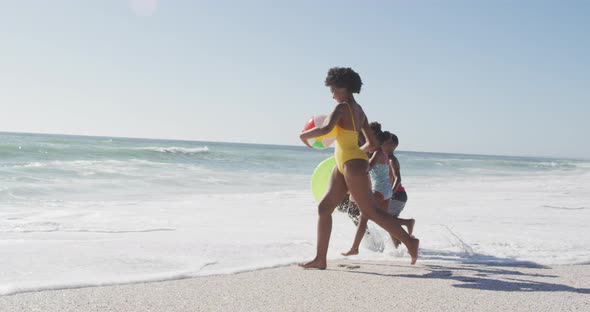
(388, 136)
(394, 139)
(344, 77)
(381, 136)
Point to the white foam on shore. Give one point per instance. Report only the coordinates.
(177, 149)
(77, 244)
(69, 244)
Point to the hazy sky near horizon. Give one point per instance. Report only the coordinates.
(485, 77)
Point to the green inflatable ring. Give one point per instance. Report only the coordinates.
(320, 179)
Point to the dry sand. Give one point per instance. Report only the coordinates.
(346, 286)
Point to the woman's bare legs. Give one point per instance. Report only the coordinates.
(359, 185)
(334, 196)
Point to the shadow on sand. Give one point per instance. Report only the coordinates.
(478, 272)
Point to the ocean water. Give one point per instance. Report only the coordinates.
(80, 211)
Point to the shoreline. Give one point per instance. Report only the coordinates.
(347, 285)
(426, 259)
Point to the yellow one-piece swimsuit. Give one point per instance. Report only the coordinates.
(347, 145)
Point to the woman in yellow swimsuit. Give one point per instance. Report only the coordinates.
(352, 172)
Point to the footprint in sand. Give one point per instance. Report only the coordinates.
(350, 267)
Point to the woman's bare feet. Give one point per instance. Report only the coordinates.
(351, 252)
(314, 264)
(413, 249)
(411, 226)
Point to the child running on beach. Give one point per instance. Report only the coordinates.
(399, 199)
(352, 166)
(380, 182)
(397, 202)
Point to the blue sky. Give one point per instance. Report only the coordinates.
(486, 77)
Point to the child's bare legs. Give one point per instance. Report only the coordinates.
(408, 223)
(358, 237)
(362, 226)
(336, 192)
(359, 184)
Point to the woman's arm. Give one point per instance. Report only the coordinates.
(326, 127)
(371, 144)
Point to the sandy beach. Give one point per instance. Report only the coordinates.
(345, 286)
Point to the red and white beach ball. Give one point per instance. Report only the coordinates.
(323, 141)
